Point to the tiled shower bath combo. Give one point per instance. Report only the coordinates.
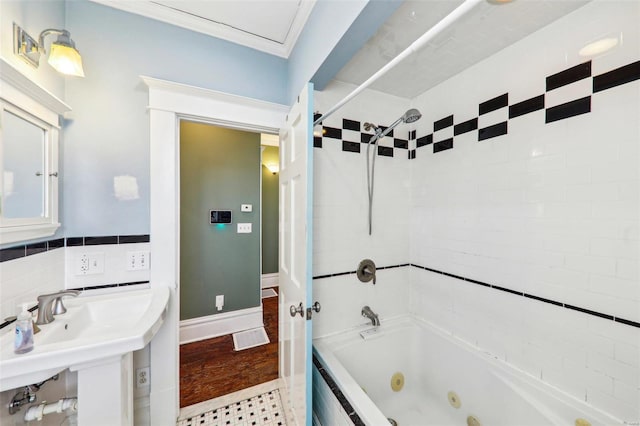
(505, 231)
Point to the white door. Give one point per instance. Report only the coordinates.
(296, 231)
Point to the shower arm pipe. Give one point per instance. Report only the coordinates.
(413, 47)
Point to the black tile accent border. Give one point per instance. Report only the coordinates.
(54, 244)
(465, 127)
(96, 241)
(350, 146)
(113, 285)
(497, 287)
(492, 131)
(365, 137)
(338, 274)
(400, 143)
(493, 104)
(131, 239)
(525, 107)
(75, 241)
(607, 80)
(12, 253)
(424, 140)
(542, 299)
(335, 389)
(36, 248)
(332, 132)
(443, 123)
(568, 76)
(385, 151)
(569, 109)
(350, 125)
(443, 145)
(107, 239)
(532, 297)
(616, 77)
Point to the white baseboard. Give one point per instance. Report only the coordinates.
(193, 330)
(269, 280)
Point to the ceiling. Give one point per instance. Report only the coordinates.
(271, 26)
(485, 30)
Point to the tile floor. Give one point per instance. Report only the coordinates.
(244, 408)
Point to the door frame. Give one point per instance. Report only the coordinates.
(170, 102)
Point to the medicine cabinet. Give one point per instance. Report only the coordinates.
(29, 137)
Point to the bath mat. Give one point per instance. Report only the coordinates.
(250, 338)
(268, 292)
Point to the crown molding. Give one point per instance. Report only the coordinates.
(158, 12)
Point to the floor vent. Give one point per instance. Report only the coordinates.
(250, 339)
(268, 292)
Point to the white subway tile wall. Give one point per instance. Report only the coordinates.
(532, 186)
(25, 278)
(548, 209)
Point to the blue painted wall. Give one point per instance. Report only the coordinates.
(109, 133)
(328, 22)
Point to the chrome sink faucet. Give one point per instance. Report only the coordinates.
(367, 312)
(51, 304)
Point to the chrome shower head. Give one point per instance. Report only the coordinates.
(411, 116)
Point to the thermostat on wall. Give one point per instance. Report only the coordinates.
(219, 216)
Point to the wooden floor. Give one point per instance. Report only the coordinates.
(211, 368)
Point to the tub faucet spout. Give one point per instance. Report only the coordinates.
(367, 312)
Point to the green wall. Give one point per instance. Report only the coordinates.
(270, 155)
(219, 169)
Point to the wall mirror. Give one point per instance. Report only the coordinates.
(29, 133)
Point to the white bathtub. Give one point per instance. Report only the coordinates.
(433, 364)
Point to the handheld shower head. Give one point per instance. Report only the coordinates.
(411, 116)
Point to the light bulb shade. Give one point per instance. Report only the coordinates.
(273, 167)
(66, 59)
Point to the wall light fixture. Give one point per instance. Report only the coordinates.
(273, 167)
(63, 55)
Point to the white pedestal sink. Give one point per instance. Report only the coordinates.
(96, 338)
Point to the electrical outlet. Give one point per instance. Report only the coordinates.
(142, 377)
(90, 263)
(219, 301)
(137, 260)
(82, 264)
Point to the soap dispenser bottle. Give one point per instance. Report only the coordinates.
(23, 342)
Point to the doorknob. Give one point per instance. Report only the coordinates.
(316, 307)
(293, 310)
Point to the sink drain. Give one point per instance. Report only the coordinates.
(392, 422)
